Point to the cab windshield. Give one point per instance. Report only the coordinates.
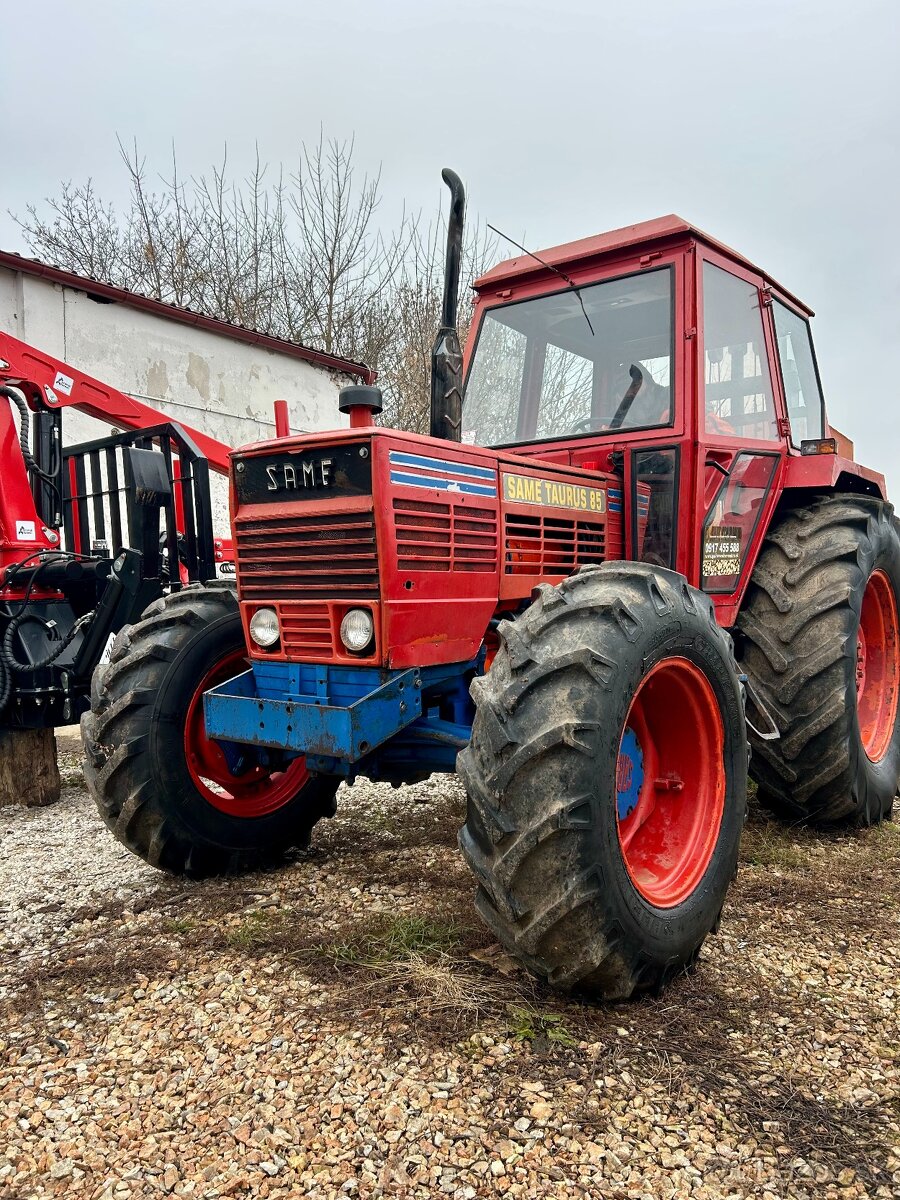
(545, 368)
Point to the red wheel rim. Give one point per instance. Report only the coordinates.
(256, 792)
(877, 666)
(670, 782)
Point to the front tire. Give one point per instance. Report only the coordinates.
(821, 646)
(606, 778)
(162, 787)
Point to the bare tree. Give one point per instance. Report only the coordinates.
(343, 262)
(79, 233)
(300, 256)
(416, 308)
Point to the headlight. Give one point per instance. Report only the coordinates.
(357, 629)
(264, 628)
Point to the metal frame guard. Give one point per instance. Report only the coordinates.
(326, 713)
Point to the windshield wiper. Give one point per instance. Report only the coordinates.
(550, 267)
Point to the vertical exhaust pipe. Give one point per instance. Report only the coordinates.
(446, 355)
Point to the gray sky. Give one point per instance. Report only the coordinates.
(774, 124)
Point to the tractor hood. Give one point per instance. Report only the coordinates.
(431, 538)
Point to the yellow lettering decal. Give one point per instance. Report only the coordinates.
(553, 493)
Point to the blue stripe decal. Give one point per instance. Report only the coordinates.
(616, 508)
(440, 464)
(445, 485)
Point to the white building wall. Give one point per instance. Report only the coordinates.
(206, 380)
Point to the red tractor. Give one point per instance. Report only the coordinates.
(631, 545)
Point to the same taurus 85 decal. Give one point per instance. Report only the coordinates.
(305, 475)
(553, 493)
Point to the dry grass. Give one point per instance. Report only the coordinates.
(439, 988)
(393, 940)
(412, 968)
(88, 966)
(766, 843)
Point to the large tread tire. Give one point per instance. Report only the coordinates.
(540, 771)
(798, 644)
(135, 760)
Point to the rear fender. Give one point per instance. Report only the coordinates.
(832, 472)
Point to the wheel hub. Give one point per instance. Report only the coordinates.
(629, 774)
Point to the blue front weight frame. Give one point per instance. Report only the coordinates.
(337, 715)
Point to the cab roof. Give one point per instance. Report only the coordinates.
(644, 233)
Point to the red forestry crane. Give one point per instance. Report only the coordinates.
(89, 533)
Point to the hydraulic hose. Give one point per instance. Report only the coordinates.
(9, 664)
(12, 663)
(24, 442)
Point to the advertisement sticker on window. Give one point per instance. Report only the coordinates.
(721, 551)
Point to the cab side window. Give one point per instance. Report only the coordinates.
(733, 518)
(738, 396)
(798, 373)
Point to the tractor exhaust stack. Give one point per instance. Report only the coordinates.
(446, 356)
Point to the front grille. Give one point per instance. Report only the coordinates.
(434, 536)
(328, 556)
(539, 545)
(306, 631)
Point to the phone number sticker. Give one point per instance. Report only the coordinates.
(721, 551)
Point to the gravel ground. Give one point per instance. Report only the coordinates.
(344, 1026)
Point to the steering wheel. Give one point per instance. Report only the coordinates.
(587, 424)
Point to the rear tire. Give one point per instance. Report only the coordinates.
(549, 774)
(825, 587)
(162, 788)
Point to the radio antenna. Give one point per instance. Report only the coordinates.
(550, 267)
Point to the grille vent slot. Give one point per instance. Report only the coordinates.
(330, 556)
(442, 537)
(306, 631)
(540, 545)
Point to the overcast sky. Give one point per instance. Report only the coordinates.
(774, 124)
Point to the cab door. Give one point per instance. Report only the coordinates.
(742, 432)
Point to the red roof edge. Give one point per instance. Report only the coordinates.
(617, 240)
(186, 316)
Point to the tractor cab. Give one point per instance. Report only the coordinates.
(657, 354)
